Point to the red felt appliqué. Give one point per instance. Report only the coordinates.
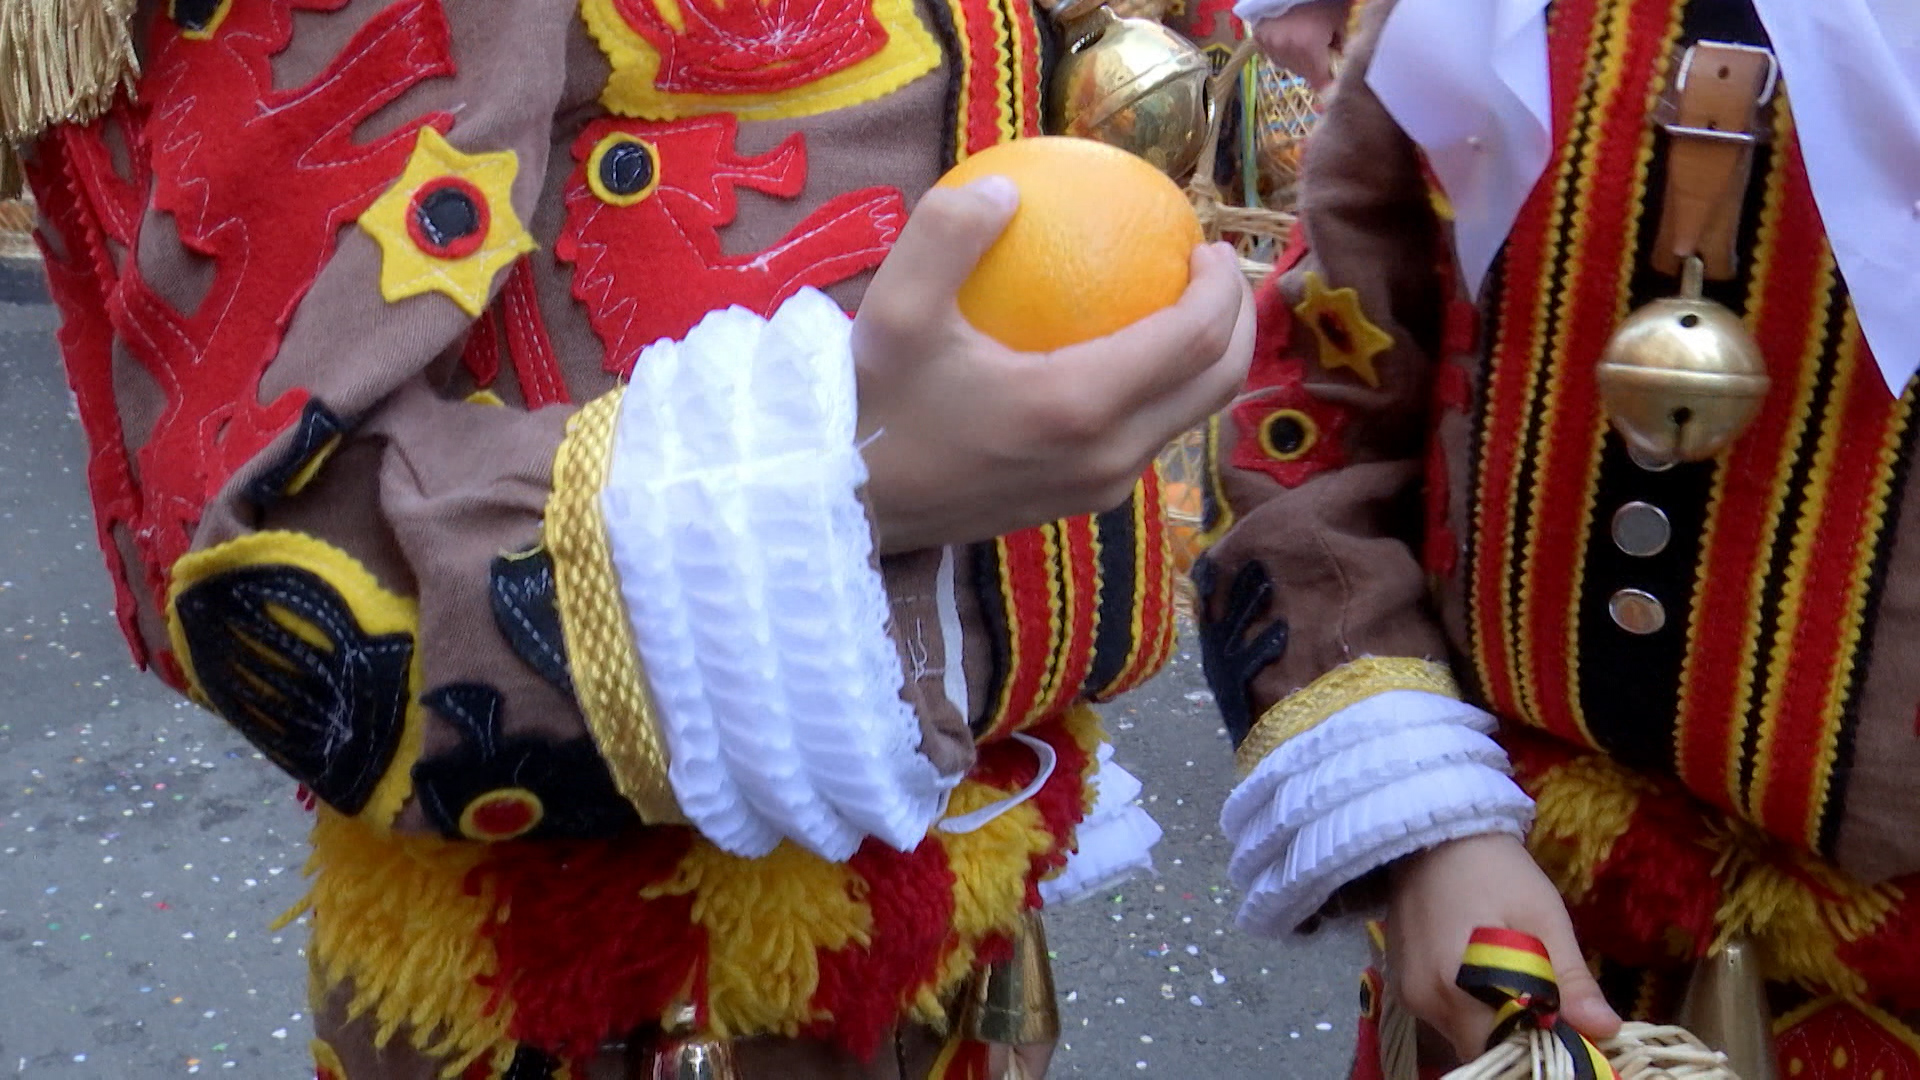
(1843, 1042)
(516, 327)
(84, 203)
(259, 181)
(653, 268)
(735, 48)
(529, 347)
(1204, 22)
(1286, 432)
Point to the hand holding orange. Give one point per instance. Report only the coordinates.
(1101, 240)
(1048, 320)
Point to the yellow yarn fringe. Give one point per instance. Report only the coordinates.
(1797, 930)
(393, 921)
(391, 918)
(1583, 807)
(1580, 810)
(61, 61)
(767, 920)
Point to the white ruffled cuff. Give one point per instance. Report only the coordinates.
(1381, 779)
(1114, 843)
(746, 563)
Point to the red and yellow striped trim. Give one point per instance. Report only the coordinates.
(1064, 605)
(1750, 493)
(1583, 300)
(1792, 542)
(1050, 601)
(999, 74)
(1796, 519)
(1147, 595)
(1823, 599)
(1578, 30)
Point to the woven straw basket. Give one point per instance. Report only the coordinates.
(1640, 1052)
(1250, 228)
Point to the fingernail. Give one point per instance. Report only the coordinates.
(999, 190)
(1226, 251)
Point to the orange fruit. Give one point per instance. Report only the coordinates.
(1101, 240)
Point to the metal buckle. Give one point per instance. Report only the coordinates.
(1773, 66)
(1709, 134)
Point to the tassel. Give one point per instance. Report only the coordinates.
(61, 61)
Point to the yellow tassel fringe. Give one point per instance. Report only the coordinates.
(399, 927)
(394, 924)
(1585, 806)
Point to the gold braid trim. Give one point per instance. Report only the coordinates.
(607, 674)
(1306, 708)
(61, 61)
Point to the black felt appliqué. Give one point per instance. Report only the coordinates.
(627, 168)
(575, 791)
(317, 427)
(526, 608)
(530, 1064)
(1229, 656)
(331, 712)
(194, 14)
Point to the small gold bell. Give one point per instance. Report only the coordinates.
(1726, 1006)
(1682, 378)
(1012, 1002)
(683, 1055)
(1130, 83)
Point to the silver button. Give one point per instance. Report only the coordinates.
(1637, 612)
(1641, 529)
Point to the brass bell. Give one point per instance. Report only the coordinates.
(1012, 1002)
(1130, 83)
(1726, 1006)
(1682, 378)
(682, 1054)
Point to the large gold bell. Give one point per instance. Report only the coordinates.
(683, 1054)
(1682, 377)
(1130, 83)
(1726, 1006)
(1012, 1002)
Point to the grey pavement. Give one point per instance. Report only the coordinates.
(145, 851)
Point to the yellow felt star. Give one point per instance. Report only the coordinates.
(1347, 339)
(448, 224)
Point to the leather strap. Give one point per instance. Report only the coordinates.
(1717, 100)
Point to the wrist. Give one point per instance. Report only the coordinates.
(1402, 869)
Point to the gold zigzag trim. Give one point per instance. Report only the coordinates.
(607, 675)
(1306, 708)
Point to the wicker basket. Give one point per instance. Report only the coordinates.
(16, 230)
(1640, 1052)
(1284, 112)
(1254, 230)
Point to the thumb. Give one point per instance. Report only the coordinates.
(1317, 68)
(1581, 1002)
(943, 241)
